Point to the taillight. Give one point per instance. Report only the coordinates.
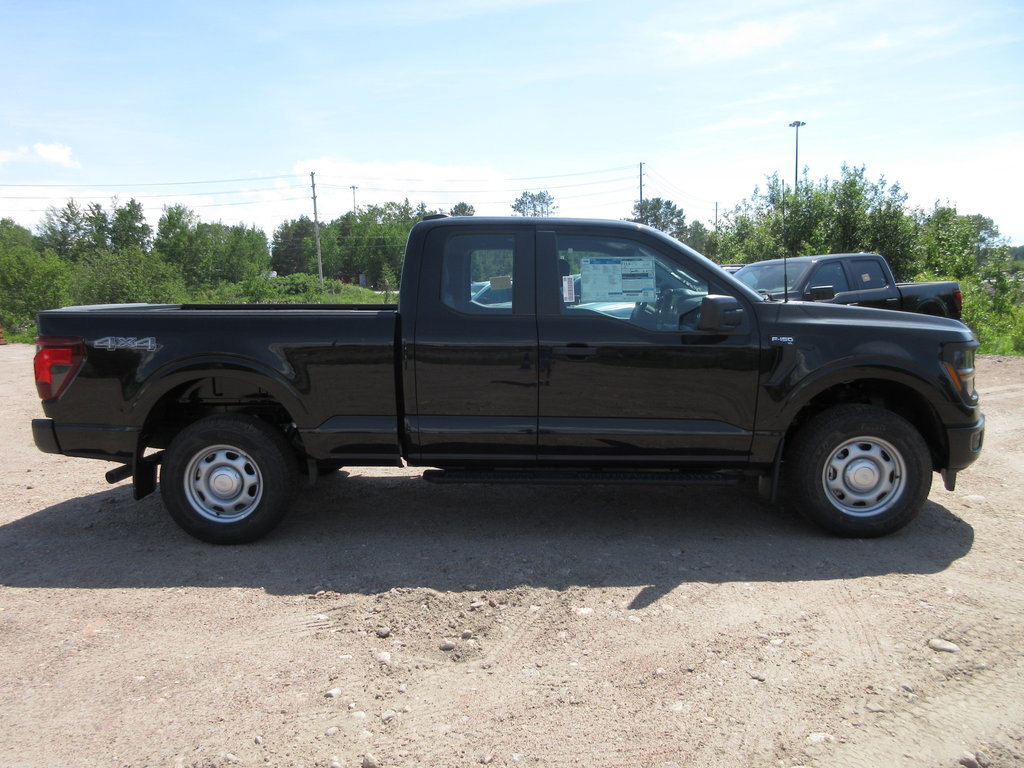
(958, 300)
(57, 360)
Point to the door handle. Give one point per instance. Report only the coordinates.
(574, 352)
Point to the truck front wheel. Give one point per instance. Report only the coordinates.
(858, 471)
(227, 479)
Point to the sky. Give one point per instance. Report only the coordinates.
(227, 107)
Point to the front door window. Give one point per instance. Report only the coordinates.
(630, 282)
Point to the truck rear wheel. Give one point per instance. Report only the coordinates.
(858, 471)
(227, 479)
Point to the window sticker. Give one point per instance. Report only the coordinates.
(568, 289)
(609, 278)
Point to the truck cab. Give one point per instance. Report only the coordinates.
(606, 352)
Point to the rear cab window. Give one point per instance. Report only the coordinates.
(867, 275)
(476, 273)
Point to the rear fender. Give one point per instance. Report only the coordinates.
(252, 378)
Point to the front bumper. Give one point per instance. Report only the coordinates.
(964, 445)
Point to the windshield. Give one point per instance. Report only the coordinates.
(770, 277)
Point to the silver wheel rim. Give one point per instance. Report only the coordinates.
(864, 476)
(223, 484)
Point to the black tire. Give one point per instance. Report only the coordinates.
(858, 471)
(228, 479)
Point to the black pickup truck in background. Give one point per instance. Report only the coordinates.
(862, 279)
(521, 351)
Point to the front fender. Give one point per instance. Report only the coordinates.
(792, 383)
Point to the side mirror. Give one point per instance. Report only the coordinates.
(820, 293)
(721, 314)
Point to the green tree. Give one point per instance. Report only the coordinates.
(660, 214)
(697, 236)
(128, 227)
(462, 209)
(178, 244)
(850, 196)
(754, 229)
(63, 229)
(30, 281)
(845, 215)
(96, 234)
(534, 204)
(292, 247)
(13, 234)
(948, 244)
(244, 254)
(126, 276)
(375, 245)
(892, 230)
(333, 239)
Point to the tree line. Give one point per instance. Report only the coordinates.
(95, 255)
(854, 213)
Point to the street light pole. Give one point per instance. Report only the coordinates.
(796, 179)
(796, 155)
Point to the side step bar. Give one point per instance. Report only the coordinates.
(576, 477)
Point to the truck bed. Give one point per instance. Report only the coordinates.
(329, 364)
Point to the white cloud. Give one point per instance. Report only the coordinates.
(974, 178)
(750, 38)
(878, 43)
(59, 154)
(6, 155)
(55, 153)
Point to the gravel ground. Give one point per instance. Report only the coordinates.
(389, 622)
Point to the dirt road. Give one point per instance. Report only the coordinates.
(389, 622)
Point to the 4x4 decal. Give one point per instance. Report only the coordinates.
(111, 343)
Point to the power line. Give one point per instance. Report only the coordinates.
(197, 205)
(168, 194)
(154, 183)
(488, 186)
(677, 192)
(490, 179)
(474, 191)
(297, 176)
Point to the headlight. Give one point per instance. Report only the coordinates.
(958, 362)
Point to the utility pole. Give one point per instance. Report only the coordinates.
(641, 185)
(316, 231)
(353, 188)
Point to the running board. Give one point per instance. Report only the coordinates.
(576, 477)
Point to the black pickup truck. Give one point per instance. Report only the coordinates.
(862, 279)
(521, 351)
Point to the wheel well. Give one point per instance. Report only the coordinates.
(194, 400)
(889, 395)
